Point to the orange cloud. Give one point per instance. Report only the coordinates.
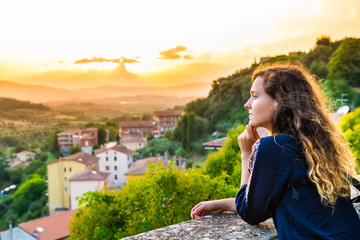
(188, 57)
(114, 60)
(173, 53)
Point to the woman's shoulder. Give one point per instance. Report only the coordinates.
(281, 142)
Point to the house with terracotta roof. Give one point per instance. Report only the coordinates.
(133, 142)
(60, 171)
(85, 138)
(83, 182)
(21, 159)
(165, 120)
(140, 166)
(135, 128)
(116, 161)
(50, 227)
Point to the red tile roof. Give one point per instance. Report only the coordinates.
(137, 124)
(90, 176)
(121, 149)
(140, 167)
(168, 113)
(130, 139)
(100, 150)
(76, 131)
(25, 153)
(81, 157)
(215, 143)
(50, 227)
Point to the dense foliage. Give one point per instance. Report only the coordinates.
(13, 104)
(350, 125)
(161, 198)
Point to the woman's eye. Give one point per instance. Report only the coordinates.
(253, 96)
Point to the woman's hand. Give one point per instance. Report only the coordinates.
(246, 139)
(212, 207)
(206, 208)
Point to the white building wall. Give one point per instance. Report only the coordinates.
(78, 188)
(116, 163)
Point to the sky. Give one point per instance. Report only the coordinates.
(82, 44)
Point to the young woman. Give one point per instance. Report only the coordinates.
(301, 174)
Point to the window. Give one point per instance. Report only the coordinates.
(107, 167)
(107, 158)
(115, 167)
(70, 169)
(66, 190)
(64, 169)
(115, 177)
(115, 159)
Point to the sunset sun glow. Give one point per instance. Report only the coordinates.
(163, 43)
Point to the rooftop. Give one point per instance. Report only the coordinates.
(50, 227)
(130, 139)
(137, 124)
(140, 167)
(82, 157)
(25, 153)
(168, 113)
(121, 149)
(90, 176)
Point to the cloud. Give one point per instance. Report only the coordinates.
(172, 53)
(188, 57)
(114, 60)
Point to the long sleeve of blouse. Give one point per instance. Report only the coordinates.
(270, 164)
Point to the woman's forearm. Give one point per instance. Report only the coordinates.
(228, 204)
(244, 169)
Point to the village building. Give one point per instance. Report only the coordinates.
(116, 161)
(21, 159)
(86, 181)
(135, 128)
(133, 142)
(60, 171)
(85, 138)
(165, 120)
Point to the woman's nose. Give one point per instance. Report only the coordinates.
(247, 104)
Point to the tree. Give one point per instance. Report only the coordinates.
(350, 126)
(101, 135)
(75, 149)
(228, 159)
(190, 131)
(16, 175)
(34, 166)
(31, 190)
(345, 62)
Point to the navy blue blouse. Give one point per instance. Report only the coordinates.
(274, 190)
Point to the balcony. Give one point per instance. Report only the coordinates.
(217, 226)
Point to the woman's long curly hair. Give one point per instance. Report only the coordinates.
(300, 109)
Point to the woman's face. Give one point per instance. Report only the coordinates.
(261, 106)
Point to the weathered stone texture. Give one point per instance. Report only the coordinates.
(218, 226)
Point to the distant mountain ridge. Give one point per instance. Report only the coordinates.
(43, 94)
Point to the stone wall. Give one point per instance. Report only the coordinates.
(217, 226)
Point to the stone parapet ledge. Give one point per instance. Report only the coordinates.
(217, 226)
